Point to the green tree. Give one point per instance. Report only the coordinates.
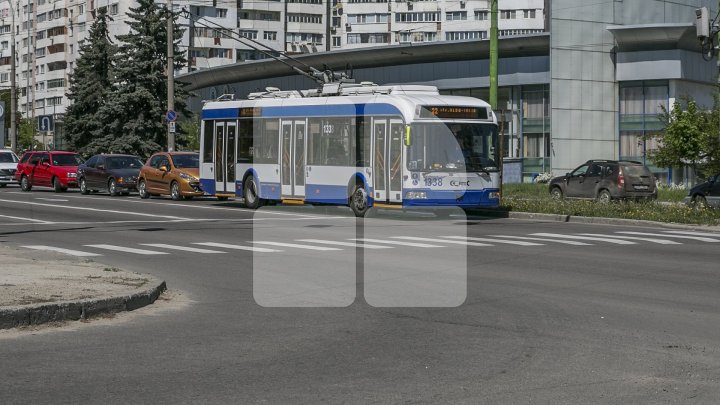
(690, 137)
(139, 100)
(189, 130)
(90, 86)
(26, 135)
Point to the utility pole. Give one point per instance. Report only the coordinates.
(13, 95)
(493, 53)
(170, 76)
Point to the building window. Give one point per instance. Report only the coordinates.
(456, 15)
(4, 77)
(640, 104)
(528, 13)
(417, 17)
(55, 83)
(270, 35)
(305, 18)
(461, 35)
(81, 8)
(363, 19)
(507, 14)
(248, 34)
(54, 101)
(481, 15)
(369, 38)
(220, 13)
(40, 103)
(113, 9)
(336, 42)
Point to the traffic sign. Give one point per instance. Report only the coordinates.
(46, 123)
(171, 116)
(171, 126)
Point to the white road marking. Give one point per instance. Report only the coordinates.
(92, 209)
(397, 242)
(181, 248)
(566, 242)
(27, 219)
(51, 199)
(654, 240)
(609, 240)
(61, 250)
(691, 233)
(348, 244)
(700, 238)
(493, 240)
(237, 247)
(128, 249)
(292, 245)
(456, 242)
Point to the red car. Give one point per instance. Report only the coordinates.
(48, 168)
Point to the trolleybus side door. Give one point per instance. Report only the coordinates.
(292, 158)
(387, 160)
(224, 157)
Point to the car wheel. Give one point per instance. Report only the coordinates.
(604, 196)
(359, 200)
(250, 193)
(83, 186)
(699, 201)
(112, 187)
(142, 189)
(175, 191)
(556, 193)
(25, 184)
(57, 186)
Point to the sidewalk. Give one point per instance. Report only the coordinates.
(39, 287)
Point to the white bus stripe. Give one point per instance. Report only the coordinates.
(700, 238)
(493, 240)
(566, 242)
(609, 240)
(397, 242)
(61, 250)
(348, 244)
(691, 233)
(181, 248)
(654, 240)
(456, 242)
(127, 249)
(237, 247)
(293, 245)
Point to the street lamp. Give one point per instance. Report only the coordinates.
(13, 108)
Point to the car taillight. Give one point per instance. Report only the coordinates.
(621, 179)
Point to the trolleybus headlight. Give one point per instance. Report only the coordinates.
(416, 195)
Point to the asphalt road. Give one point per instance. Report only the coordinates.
(285, 308)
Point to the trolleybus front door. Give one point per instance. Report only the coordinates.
(292, 161)
(224, 157)
(387, 160)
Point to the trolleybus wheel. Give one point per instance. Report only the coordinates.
(359, 200)
(250, 193)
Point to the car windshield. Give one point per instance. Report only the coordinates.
(8, 158)
(457, 147)
(67, 160)
(186, 161)
(124, 162)
(636, 171)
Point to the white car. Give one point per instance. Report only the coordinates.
(8, 165)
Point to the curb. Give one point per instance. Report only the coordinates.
(11, 317)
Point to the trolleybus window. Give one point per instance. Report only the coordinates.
(453, 147)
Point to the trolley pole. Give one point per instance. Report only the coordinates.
(493, 53)
(170, 76)
(13, 89)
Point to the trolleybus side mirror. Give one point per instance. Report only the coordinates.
(408, 140)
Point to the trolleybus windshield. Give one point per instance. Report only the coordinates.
(453, 146)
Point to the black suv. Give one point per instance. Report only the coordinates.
(606, 180)
(705, 194)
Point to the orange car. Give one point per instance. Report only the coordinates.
(173, 173)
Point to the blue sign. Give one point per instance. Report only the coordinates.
(171, 116)
(46, 123)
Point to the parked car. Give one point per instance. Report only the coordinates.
(54, 169)
(171, 173)
(606, 180)
(117, 174)
(705, 194)
(8, 165)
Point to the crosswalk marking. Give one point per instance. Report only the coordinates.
(609, 240)
(493, 240)
(181, 248)
(348, 244)
(127, 249)
(397, 242)
(293, 245)
(654, 240)
(710, 234)
(61, 250)
(700, 238)
(456, 242)
(237, 247)
(566, 242)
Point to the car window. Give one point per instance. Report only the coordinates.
(636, 170)
(580, 171)
(25, 157)
(34, 158)
(595, 170)
(44, 157)
(155, 161)
(186, 161)
(66, 160)
(124, 162)
(91, 162)
(163, 162)
(8, 158)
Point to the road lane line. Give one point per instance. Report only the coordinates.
(61, 250)
(127, 249)
(92, 209)
(40, 221)
(237, 247)
(608, 240)
(654, 240)
(456, 242)
(181, 248)
(348, 244)
(566, 242)
(700, 238)
(691, 233)
(51, 199)
(293, 245)
(493, 240)
(397, 242)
